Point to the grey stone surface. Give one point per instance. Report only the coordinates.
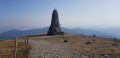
(43, 49)
(55, 28)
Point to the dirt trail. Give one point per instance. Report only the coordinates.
(43, 49)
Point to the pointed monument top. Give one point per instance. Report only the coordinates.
(55, 9)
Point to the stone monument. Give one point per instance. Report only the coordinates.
(55, 28)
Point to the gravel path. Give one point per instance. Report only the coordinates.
(42, 49)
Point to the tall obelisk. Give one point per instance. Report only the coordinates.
(55, 28)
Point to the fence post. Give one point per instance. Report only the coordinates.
(27, 41)
(15, 51)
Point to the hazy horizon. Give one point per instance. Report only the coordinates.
(86, 14)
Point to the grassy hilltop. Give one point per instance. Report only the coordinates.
(89, 46)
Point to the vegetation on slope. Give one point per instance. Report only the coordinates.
(7, 49)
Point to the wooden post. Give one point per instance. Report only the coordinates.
(15, 51)
(26, 43)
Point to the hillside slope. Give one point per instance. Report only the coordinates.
(87, 46)
(19, 33)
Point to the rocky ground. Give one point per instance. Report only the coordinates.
(73, 46)
(42, 49)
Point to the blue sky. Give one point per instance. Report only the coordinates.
(32, 14)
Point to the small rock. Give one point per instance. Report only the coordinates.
(115, 44)
(88, 42)
(113, 50)
(65, 41)
(103, 54)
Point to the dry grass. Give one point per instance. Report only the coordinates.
(7, 49)
(100, 46)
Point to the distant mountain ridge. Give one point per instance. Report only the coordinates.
(19, 33)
